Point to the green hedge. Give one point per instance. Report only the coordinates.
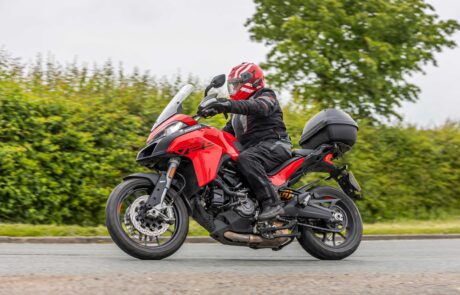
(408, 173)
(59, 159)
(68, 135)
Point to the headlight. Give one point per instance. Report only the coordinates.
(173, 128)
(168, 130)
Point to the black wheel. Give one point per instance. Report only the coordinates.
(153, 235)
(333, 246)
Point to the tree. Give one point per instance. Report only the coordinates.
(352, 54)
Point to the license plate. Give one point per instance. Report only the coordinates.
(353, 181)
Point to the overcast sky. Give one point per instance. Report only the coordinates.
(205, 37)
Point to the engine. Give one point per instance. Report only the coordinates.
(219, 202)
(229, 193)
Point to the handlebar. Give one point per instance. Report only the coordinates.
(197, 117)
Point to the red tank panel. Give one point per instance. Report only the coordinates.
(204, 147)
(283, 175)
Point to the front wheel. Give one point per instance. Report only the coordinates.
(338, 245)
(142, 235)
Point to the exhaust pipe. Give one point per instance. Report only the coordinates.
(255, 240)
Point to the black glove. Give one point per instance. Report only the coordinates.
(210, 112)
(214, 106)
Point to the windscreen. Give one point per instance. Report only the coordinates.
(175, 105)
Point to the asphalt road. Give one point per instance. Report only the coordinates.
(378, 267)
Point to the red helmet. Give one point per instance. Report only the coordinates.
(244, 80)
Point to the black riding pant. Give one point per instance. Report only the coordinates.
(254, 163)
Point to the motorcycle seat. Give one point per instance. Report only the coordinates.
(301, 152)
(282, 166)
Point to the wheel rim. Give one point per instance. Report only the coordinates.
(346, 226)
(146, 232)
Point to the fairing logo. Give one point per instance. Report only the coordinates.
(195, 147)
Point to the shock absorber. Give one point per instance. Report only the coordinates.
(172, 167)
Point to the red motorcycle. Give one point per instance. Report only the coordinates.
(195, 174)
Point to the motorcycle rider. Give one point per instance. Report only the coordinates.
(257, 123)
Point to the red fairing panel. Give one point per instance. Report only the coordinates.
(283, 175)
(204, 147)
(179, 117)
(228, 143)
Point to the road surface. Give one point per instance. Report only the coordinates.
(378, 267)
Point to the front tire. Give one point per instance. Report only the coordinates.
(116, 211)
(319, 243)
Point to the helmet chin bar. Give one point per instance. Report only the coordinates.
(244, 92)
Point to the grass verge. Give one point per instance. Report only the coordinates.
(451, 226)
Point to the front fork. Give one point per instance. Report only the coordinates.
(158, 194)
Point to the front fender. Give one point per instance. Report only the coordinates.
(153, 177)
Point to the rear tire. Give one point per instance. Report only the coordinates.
(124, 241)
(316, 247)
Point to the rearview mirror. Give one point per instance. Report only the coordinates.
(216, 82)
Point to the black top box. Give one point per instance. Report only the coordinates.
(327, 127)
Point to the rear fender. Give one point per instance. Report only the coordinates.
(320, 160)
(348, 183)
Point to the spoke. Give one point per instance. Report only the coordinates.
(324, 237)
(158, 240)
(333, 239)
(342, 235)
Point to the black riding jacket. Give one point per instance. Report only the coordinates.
(257, 119)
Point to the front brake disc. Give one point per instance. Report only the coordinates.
(147, 225)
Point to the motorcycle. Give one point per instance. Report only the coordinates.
(195, 174)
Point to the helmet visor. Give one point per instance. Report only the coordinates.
(233, 86)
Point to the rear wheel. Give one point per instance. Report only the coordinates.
(338, 245)
(145, 236)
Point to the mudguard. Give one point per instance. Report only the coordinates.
(153, 177)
